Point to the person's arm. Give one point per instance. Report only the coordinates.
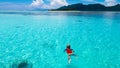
(72, 50)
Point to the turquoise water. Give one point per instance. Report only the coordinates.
(40, 38)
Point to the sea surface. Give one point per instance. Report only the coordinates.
(37, 39)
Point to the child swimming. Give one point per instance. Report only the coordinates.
(70, 53)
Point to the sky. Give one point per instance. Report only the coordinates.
(48, 4)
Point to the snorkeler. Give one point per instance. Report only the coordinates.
(70, 53)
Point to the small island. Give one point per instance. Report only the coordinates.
(89, 7)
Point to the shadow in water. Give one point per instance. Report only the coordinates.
(79, 21)
(22, 64)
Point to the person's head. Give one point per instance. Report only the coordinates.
(68, 46)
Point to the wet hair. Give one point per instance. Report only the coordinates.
(68, 46)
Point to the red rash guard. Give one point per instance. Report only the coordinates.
(69, 51)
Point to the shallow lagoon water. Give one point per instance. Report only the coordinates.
(41, 37)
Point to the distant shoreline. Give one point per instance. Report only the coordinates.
(82, 11)
(57, 11)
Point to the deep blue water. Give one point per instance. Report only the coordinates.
(40, 38)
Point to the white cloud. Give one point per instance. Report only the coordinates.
(58, 3)
(51, 5)
(110, 2)
(37, 3)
